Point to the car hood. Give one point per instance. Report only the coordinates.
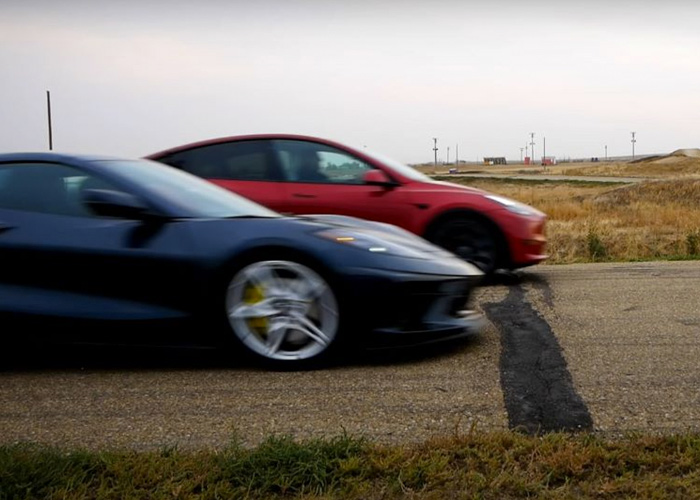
(442, 187)
(381, 230)
(487, 201)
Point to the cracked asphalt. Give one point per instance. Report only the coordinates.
(620, 342)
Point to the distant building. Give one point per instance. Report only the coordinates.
(495, 160)
(549, 160)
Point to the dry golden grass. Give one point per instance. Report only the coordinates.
(595, 222)
(670, 166)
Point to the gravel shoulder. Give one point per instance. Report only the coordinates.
(631, 336)
(403, 399)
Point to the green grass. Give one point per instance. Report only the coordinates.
(477, 465)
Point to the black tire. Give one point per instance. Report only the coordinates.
(471, 238)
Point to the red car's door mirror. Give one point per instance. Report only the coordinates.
(377, 177)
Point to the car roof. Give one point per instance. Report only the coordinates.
(51, 156)
(249, 137)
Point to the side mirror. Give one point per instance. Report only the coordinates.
(377, 177)
(117, 204)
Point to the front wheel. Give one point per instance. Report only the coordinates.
(469, 238)
(283, 312)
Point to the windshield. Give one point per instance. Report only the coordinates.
(399, 167)
(194, 196)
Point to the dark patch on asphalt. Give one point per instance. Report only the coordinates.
(538, 389)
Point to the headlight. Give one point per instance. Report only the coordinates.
(370, 243)
(511, 205)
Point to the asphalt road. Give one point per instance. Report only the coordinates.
(604, 347)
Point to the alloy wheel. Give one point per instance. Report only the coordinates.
(282, 310)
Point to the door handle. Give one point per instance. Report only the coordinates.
(4, 227)
(303, 195)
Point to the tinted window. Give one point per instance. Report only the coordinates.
(193, 197)
(47, 188)
(244, 160)
(304, 161)
(399, 167)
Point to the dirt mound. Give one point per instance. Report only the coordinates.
(669, 158)
(691, 152)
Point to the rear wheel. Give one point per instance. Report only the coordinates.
(283, 312)
(471, 239)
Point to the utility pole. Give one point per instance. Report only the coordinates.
(544, 150)
(521, 155)
(48, 108)
(457, 155)
(606, 152)
(633, 141)
(448, 155)
(435, 150)
(532, 147)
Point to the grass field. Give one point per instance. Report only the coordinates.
(589, 221)
(477, 465)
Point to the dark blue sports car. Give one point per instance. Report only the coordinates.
(105, 250)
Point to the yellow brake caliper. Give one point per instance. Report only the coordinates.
(252, 295)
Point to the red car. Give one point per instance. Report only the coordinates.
(307, 175)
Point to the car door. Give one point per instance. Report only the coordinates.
(324, 179)
(60, 260)
(245, 167)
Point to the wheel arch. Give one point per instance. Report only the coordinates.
(271, 251)
(504, 252)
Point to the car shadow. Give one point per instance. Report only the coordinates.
(108, 358)
(18, 359)
(416, 354)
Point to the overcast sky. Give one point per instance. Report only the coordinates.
(133, 77)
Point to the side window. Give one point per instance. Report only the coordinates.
(48, 188)
(244, 160)
(304, 161)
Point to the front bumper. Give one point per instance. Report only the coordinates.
(527, 239)
(405, 309)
